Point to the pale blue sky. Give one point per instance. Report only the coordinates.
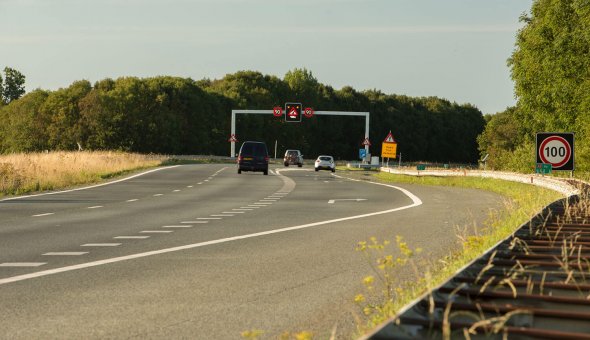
(455, 49)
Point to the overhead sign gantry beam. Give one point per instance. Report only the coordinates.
(319, 113)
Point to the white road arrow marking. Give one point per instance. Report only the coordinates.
(346, 199)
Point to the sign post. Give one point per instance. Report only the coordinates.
(556, 149)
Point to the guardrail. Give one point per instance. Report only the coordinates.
(533, 284)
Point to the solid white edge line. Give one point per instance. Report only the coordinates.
(416, 202)
(92, 186)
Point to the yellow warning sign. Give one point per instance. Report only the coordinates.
(388, 150)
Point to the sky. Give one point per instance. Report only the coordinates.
(453, 49)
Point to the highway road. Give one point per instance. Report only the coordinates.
(201, 252)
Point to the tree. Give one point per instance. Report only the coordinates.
(551, 71)
(303, 85)
(14, 85)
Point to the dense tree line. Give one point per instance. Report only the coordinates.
(181, 116)
(551, 70)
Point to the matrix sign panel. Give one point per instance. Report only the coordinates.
(556, 149)
(293, 112)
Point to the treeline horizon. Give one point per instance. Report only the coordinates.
(173, 115)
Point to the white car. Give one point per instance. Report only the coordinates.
(325, 162)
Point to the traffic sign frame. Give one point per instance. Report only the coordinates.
(297, 107)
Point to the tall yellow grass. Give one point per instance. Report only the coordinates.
(29, 172)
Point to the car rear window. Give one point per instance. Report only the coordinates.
(326, 158)
(256, 149)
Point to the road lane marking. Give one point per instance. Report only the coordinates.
(45, 214)
(208, 218)
(65, 253)
(130, 237)
(92, 186)
(132, 200)
(101, 245)
(220, 215)
(415, 202)
(189, 186)
(254, 206)
(199, 183)
(155, 195)
(22, 264)
(175, 190)
(346, 199)
(262, 203)
(245, 209)
(189, 222)
(177, 226)
(95, 207)
(232, 212)
(156, 231)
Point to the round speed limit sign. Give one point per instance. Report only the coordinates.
(555, 149)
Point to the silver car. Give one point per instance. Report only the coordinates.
(325, 162)
(293, 157)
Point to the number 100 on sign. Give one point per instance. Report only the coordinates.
(556, 149)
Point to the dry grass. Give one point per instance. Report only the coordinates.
(24, 173)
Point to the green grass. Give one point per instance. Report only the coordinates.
(523, 202)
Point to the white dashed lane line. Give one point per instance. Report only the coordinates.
(208, 218)
(155, 195)
(132, 200)
(41, 215)
(22, 264)
(96, 207)
(221, 215)
(199, 183)
(189, 186)
(156, 231)
(175, 190)
(178, 226)
(189, 222)
(232, 212)
(255, 206)
(101, 245)
(66, 253)
(130, 237)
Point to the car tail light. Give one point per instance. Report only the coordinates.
(240, 158)
(266, 158)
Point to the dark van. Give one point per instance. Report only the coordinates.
(253, 156)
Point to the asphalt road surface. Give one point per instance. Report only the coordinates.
(200, 252)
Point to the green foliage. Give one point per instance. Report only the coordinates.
(13, 86)
(551, 71)
(172, 115)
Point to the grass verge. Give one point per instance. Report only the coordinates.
(384, 296)
(30, 172)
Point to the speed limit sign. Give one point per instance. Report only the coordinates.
(556, 149)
